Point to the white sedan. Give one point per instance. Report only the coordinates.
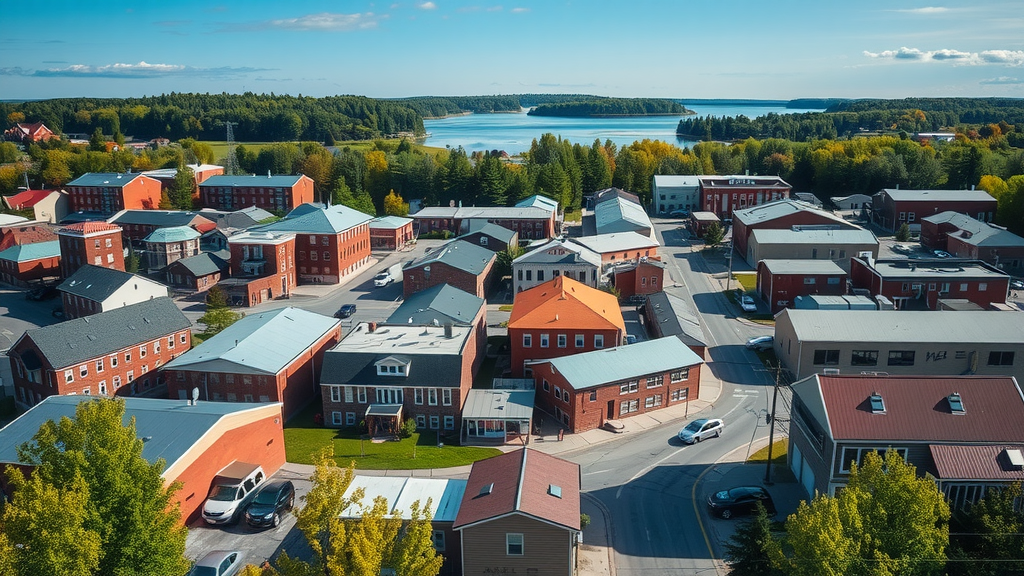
(747, 304)
(700, 429)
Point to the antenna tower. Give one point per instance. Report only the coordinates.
(232, 162)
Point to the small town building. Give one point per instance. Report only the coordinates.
(539, 201)
(237, 219)
(617, 211)
(25, 264)
(444, 304)
(201, 172)
(965, 237)
(390, 232)
(781, 215)
(918, 343)
(280, 193)
(583, 391)
(199, 272)
(700, 221)
(29, 132)
(497, 417)
(27, 199)
(521, 513)
(780, 282)
(921, 284)
(109, 193)
(620, 246)
(93, 289)
(262, 267)
(638, 278)
(491, 236)
(385, 375)
(854, 203)
(962, 432)
(723, 195)
(25, 233)
(459, 263)
(811, 243)
(166, 245)
(273, 356)
(138, 224)
(671, 193)
(664, 314)
(808, 197)
(562, 317)
(196, 441)
(556, 258)
(892, 207)
(844, 302)
(95, 243)
(533, 221)
(112, 353)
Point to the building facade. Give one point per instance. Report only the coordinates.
(22, 265)
(921, 284)
(273, 193)
(262, 266)
(966, 237)
(810, 243)
(639, 278)
(166, 245)
(781, 282)
(723, 195)
(556, 258)
(458, 263)
(330, 243)
(781, 215)
(138, 224)
(530, 222)
(92, 289)
(199, 272)
(621, 246)
(108, 193)
(390, 232)
(96, 243)
(892, 207)
(671, 193)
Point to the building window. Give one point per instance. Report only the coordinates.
(655, 381)
(680, 375)
(181, 338)
(432, 396)
(350, 418)
(652, 401)
(127, 356)
(565, 396)
(593, 395)
(627, 406)
(170, 342)
(435, 422)
(156, 347)
(83, 370)
(598, 340)
(69, 376)
(982, 286)
(449, 422)
(901, 358)
(438, 539)
(336, 419)
(421, 421)
(544, 341)
(562, 340)
(547, 387)
(99, 365)
(540, 275)
(529, 275)
(446, 396)
(142, 351)
(857, 455)
(113, 361)
(1000, 358)
(826, 357)
(864, 358)
(527, 340)
(579, 341)
(679, 395)
(627, 387)
(810, 280)
(361, 394)
(513, 544)
(417, 396)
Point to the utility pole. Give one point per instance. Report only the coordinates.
(728, 278)
(232, 161)
(771, 430)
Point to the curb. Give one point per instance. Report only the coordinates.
(608, 530)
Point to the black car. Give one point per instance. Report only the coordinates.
(345, 311)
(272, 500)
(740, 500)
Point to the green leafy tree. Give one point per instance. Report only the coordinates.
(182, 190)
(714, 235)
(125, 507)
(503, 261)
(903, 233)
(319, 518)
(217, 319)
(753, 548)
(97, 143)
(394, 205)
(132, 263)
(990, 541)
(216, 298)
(165, 201)
(414, 553)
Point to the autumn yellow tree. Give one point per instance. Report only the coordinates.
(395, 205)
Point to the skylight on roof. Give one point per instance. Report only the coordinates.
(554, 490)
(956, 403)
(486, 489)
(1015, 457)
(877, 404)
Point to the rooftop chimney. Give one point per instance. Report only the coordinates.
(447, 329)
(371, 327)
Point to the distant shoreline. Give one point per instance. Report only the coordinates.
(469, 112)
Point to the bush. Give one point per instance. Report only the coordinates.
(408, 428)
(584, 521)
(437, 235)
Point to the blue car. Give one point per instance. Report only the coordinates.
(345, 311)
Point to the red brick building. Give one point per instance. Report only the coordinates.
(920, 284)
(559, 318)
(390, 232)
(583, 391)
(111, 353)
(385, 375)
(530, 222)
(330, 243)
(965, 237)
(262, 266)
(137, 224)
(96, 243)
(892, 207)
(28, 132)
(273, 193)
(780, 215)
(199, 272)
(458, 263)
(779, 282)
(108, 193)
(21, 234)
(639, 278)
(273, 356)
(723, 195)
(30, 263)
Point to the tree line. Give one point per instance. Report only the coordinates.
(610, 107)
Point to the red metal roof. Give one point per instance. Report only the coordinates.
(917, 409)
(974, 462)
(27, 199)
(521, 483)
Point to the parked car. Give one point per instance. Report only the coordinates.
(383, 279)
(42, 293)
(232, 490)
(272, 500)
(941, 254)
(1017, 284)
(345, 311)
(761, 343)
(218, 563)
(700, 429)
(679, 213)
(740, 500)
(747, 304)
(630, 339)
(902, 248)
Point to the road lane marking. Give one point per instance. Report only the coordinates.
(696, 511)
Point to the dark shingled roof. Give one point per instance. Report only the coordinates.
(458, 254)
(442, 303)
(205, 263)
(97, 283)
(161, 218)
(673, 318)
(83, 339)
(342, 367)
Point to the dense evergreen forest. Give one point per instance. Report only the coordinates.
(576, 105)
(600, 107)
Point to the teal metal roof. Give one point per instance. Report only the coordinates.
(457, 254)
(620, 215)
(493, 230)
(537, 201)
(104, 179)
(172, 234)
(441, 303)
(29, 252)
(279, 181)
(170, 427)
(263, 343)
(389, 222)
(330, 220)
(610, 365)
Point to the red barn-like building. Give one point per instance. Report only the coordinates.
(723, 195)
(920, 284)
(779, 282)
(108, 193)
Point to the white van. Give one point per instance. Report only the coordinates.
(233, 488)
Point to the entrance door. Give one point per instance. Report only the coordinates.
(611, 410)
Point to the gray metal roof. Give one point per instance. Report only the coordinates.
(82, 339)
(813, 236)
(263, 343)
(389, 222)
(434, 360)
(97, 283)
(779, 208)
(975, 232)
(499, 404)
(281, 180)
(162, 218)
(616, 242)
(493, 230)
(937, 195)
(673, 181)
(458, 254)
(538, 201)
(331, 220)
(674, 318)
(205, 263)
(171, 234)
(600, 367)
(888, 326)
(743, 180)
(400, 493)
(803, 267)
(170, 426)
(440, 304)
(107, 179)
(618, 214)
(936, 269)
(560, 252)
(486, 212)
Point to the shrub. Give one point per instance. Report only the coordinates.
(408, 428)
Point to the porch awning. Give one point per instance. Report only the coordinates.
(384, 410)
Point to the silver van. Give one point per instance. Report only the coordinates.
(232, 490)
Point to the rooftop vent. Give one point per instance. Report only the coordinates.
(956, 403)
(554, 490)
(1015, 457)
(877, 404)
(487, 489)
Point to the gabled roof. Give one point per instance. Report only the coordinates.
(672, 181)
(433, 358)
(564, 302)
(560, 252)
(619, 214)
(743, 180)
(437, 305)
(108, 179)
(493, 230)
(499, 404)
(781, 208)
(389, 222)
(600, 367)
(616, 242)
(902, 195)
(29, 252)
(171, 428)
(975, 232)
(813, 236)
(243, 218)
(263, 343)
(172, 234)
(160, 218)
(445, 495)
(975, 462)
(86, 228)
(27, 198)
(674, 318)
(916, 408)
(82, 339)
(458, 254)
(521, 482)
(332, 220)
(816, 267)
(97, 283)
(613, 193)
(18, 234)
(205, 263)
(538, 201)
(279, 181)
(908, 326)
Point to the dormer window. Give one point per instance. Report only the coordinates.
(877, 404)
(956, 403)
(393, 366)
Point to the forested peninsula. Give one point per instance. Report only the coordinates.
(609, 107)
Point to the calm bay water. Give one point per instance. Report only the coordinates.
(513, 133)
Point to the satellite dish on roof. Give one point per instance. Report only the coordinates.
(195, 395)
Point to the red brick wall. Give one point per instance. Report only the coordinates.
(343, 254)
(888, 214)
(410, 409)
(142, 193)
(933, 236)
(741, 232)
(260, 442)
(261, 196)
(779, 291)
(520, 354)
(996, 256)
(21, 273)
(415, 279)
(644, 279)
(77, 251)
(864, 277)
(723, 201)
(586, 414)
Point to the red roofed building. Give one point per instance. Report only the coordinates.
(29, 132)
(559, 318)
(963, 430)
(108, 193)
(25, 199)
(521, 511)
(96, 243)
(22, 234)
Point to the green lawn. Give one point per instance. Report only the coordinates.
(505, 308)
(303, 439)
(747, 280)
(778, 454)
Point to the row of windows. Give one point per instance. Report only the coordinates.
(214, 378)
(943, 287)
(900, 357)
(83, 370)
(392, 395)
(579, 340)
(349, 419)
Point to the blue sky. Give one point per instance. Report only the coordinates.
(674, 48)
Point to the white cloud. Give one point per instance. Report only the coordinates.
(328, 22)
(1008, 57)
(427, 6)
(494, 9)
(519, 10)
(957, 57)
(1002, 80)
(122, 70)
(924, 10)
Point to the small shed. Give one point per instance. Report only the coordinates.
(497, 416)
(383, 419)
(700, 221)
